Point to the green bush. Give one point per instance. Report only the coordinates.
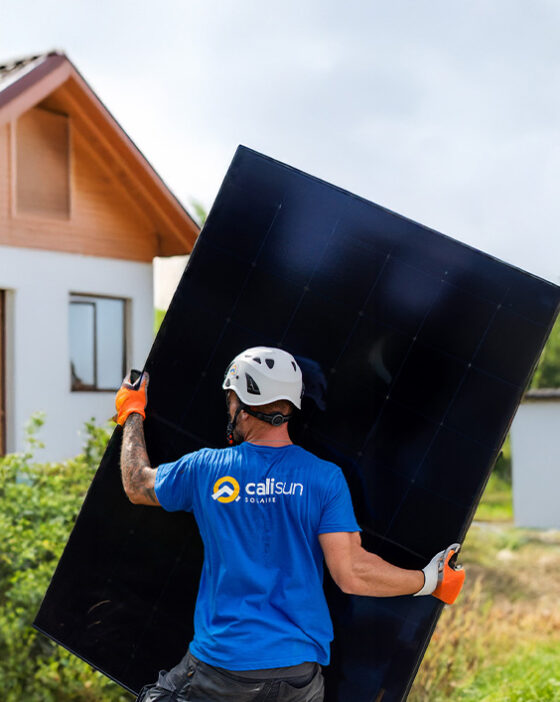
(503, 465)
(39, 505)
(496, 504)
(158, 319)
(547, 373)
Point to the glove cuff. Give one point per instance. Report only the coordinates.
(127, 411)
(430, 581)
(441, 579)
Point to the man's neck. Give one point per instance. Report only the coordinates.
(274, 436)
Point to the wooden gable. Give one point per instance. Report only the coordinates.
(72, 181)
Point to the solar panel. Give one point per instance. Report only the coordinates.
(415, 349)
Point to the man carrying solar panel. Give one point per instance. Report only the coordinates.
(268, 512)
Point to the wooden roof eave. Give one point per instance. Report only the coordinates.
(34, 86)
(110, 144)
(129, 164)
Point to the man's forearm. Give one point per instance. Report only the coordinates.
(377, 578)
(359, 572)
(137, 474)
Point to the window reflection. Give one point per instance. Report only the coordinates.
(82, 344)
(97, 342)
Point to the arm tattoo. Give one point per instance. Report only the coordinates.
(134, 459)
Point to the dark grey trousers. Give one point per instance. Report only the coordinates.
(194, 681)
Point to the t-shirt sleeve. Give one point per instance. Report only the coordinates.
(174, 484)
(338, 512)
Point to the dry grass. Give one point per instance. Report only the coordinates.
(503, 634)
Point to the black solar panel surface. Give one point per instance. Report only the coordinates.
(415, 349)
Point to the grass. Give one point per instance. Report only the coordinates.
(501, 641)
(532, 674)
(496, 504)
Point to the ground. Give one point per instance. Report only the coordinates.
(501, 641)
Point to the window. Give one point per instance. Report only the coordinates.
(97, 342)
(43, 164)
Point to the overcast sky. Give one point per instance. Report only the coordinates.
(447, 112)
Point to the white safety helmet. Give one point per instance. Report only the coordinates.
(261, 375)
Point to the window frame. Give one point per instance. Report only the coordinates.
(89, 299)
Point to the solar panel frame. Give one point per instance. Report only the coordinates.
(282, 251)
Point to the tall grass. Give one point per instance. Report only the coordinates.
(500, 642)
(486, 651)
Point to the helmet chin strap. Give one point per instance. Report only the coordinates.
(276, 419)
(231, 426)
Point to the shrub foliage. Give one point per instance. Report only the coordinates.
(39, 505)
(547, 374)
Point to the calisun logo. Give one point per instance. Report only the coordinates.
(227, 489)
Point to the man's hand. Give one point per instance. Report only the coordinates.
(132, 397)
(138, 476)
(442, 578)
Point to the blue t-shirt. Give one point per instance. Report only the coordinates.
(259, 510)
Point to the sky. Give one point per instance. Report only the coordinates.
(446, 112)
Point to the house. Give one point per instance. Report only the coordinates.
(535, 464)
(82, 216)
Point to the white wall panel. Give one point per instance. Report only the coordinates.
(38, 366)
(536, 465)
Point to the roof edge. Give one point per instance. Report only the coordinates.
(134, 149)
(53, 70)
(545, 394)
(48, 72)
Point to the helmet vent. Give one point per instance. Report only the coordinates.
(252, 387)
(269, 362)
(257, 359)
(294, 365)
(227, 383)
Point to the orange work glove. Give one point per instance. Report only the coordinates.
(442, 578)
(132, 397)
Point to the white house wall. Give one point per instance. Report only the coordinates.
(535, 465)
(39, 284)
(167, 274)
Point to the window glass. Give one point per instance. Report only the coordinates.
(82, 345)
(97, 342)
(110, 343)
